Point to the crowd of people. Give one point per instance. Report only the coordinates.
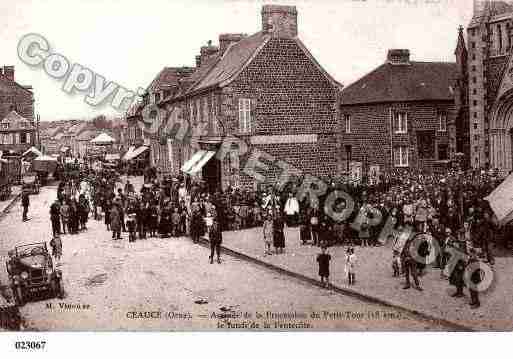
(448, 209)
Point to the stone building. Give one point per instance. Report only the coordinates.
(489, 39)
(17, 128)
(403, 114)
(261, 95)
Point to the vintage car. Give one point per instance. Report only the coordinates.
(31, 272)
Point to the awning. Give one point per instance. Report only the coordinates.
(33, 150)
(192, 161)
(135, 153)
(128, 153)
(202, 162)
(197, 161)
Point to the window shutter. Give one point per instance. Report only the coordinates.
(249, 114)
(241, 115)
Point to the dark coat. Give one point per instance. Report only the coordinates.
(115, 219)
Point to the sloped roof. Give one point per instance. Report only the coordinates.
(28, 89)
(87, 135)
(233, 60)
(168, 77)
(397, 83)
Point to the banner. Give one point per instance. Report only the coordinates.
(501, 201)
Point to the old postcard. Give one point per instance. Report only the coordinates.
(256, 166)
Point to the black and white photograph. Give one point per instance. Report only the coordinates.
(255, 166)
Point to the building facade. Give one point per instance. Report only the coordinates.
(17, 128)
(489, 39)
(260, 98)
(402, 115)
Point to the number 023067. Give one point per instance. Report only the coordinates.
(30, 345)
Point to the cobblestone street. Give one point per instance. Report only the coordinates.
(109, 283)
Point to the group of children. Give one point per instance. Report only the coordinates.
(324, 258)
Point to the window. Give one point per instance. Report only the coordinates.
(475, 102)
(245, 115)
(213, 117)
(474, 80)
(5, 126)
(474, 91)
(473, 44)
(347, 122)
(442, 122)
(401, 156)
(475, 114)
(191, 113)
(23, 137)
(205, 110)
(198, 110)
(401, 122)
(443, 153)
(157, 97)
(499, 35)
(475, 126)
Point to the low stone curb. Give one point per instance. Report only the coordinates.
(346, 291)
(10, 205)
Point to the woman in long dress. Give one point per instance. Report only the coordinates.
(278, 235)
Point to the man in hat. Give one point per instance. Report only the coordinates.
(25, 203)
(410, 267)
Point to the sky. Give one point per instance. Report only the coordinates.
(130, 41)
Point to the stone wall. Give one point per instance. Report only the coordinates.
(370, 138)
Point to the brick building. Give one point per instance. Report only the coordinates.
(17, 128)
(265, 92)
(403, 114)
(489, 38)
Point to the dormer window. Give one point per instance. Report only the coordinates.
(442, 121)
(401, 122)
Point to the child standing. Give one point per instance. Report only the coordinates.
(131, 226)
(324, 259)
(351, 265)
(175, 222)
(56, 244)
(268, 233)
(396, 263)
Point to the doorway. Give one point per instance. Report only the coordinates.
(211, 173)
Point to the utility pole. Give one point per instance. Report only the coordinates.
(38, 120)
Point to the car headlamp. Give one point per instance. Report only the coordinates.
(24, 275)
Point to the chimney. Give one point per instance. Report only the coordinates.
(9, 72)
(398, 57)
(225, 40)
(207, 51)
(279, 20)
